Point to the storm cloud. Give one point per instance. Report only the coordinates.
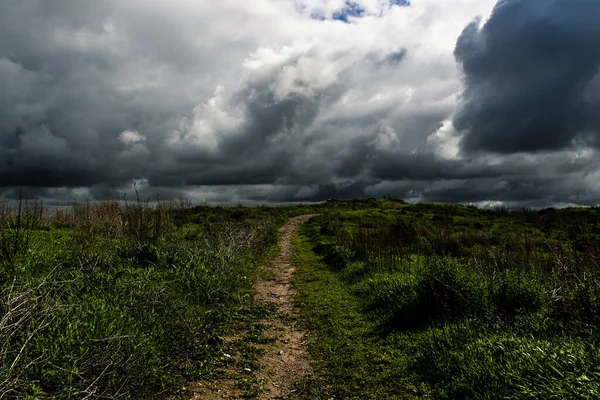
(301, 100)
(532, 77)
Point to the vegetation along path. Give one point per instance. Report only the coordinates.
(284, 360)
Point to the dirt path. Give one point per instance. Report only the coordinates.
(285, 360)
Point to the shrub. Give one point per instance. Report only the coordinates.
(331, 226)
(335, 255)
(443, 292)
(388, 293)
(578, 307)
(518, 294)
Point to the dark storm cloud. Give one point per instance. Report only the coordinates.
(269, 119)
(54, 126)
(531, 75)
(522, 192)
(62, 108)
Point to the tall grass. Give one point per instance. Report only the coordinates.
(120, 299)
(16, 229)
(483, 295)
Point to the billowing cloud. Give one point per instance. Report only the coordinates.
(532, 75)
(300, 100)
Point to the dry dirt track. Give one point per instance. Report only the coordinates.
(285, 360)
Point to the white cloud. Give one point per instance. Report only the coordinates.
(445, 141)
(131, 137)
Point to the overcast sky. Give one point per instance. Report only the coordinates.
(476, 101)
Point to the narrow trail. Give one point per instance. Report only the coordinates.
(285, 361)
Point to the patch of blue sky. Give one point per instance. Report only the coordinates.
(353, 10)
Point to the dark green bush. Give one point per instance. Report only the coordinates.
(331, 227)
(579, 307)
(388, 293)
(441, 293)
(335, 255)
(518, 294)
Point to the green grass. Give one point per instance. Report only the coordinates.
(351, 362)
(114, 301)
(442, 301)
(423, 301)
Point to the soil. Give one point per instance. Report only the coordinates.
(285, 360)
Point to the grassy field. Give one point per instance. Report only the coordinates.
(440, 301)
(129, 300)
(115, 300)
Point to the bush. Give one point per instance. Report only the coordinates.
(518, 294)
(330, 227)
(335, 255)
(388, 293)
(441, 293)
(579, 307)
